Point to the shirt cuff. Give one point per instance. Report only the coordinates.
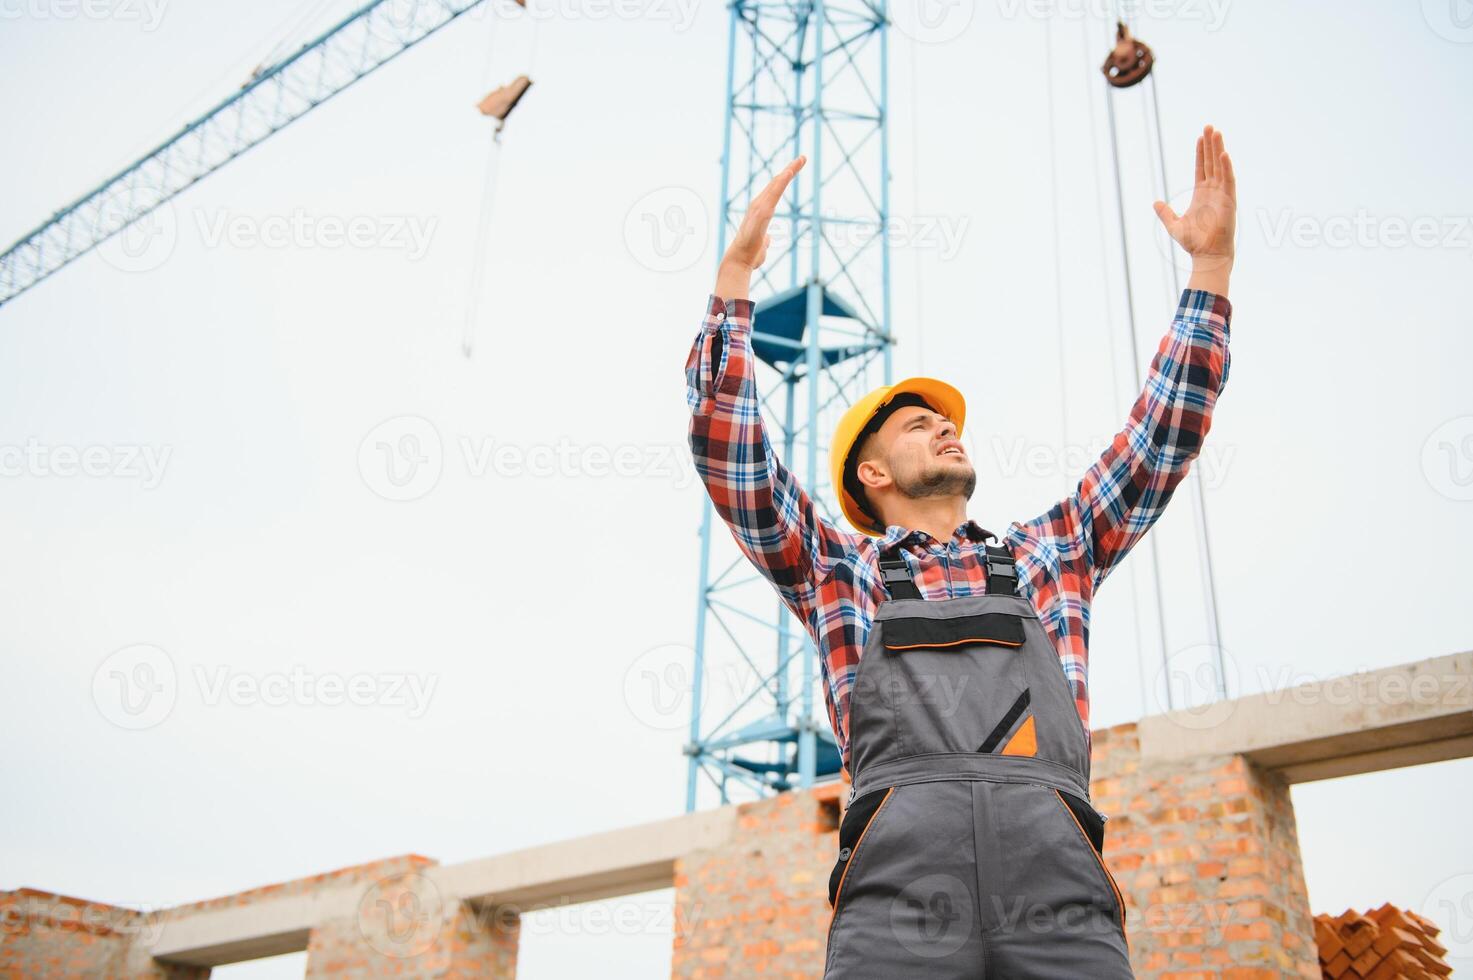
(1201, 306)
(733, 312)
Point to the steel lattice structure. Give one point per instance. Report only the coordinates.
(275, 96)
(802, 77)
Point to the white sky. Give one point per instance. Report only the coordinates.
(254, 373)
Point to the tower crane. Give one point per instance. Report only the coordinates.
(276, 95)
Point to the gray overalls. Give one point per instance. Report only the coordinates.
(969, 847)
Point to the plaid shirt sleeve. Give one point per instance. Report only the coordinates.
(1085, 535)
(770, 515)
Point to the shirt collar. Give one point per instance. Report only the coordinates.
(898, 535)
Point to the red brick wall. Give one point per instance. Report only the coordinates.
(405, 927)
(759, 905)
(402, 927)
(1205, 852)
(1207, 855)
(44, 935)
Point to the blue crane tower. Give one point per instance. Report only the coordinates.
(803, 76)
(807, 76)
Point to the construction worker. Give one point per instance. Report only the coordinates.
(956, 669)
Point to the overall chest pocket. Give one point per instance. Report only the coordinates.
(948, 682)
(916, 632)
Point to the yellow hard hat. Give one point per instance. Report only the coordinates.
(939, 395)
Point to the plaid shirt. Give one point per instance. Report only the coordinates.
(829, 576)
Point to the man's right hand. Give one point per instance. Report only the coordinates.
(748, 248)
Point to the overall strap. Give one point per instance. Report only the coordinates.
(1002, 575)
(896, 576)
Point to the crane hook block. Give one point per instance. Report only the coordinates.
(499, 103)
(1129, 62)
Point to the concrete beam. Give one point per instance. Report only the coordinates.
(269, 927)
(619, 862)
(1398, 716)
(1381, 719)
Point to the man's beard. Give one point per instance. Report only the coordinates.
(939, 481)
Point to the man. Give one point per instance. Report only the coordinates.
(956, 671)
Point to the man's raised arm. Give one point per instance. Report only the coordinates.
(1126, 490)
(772, 518)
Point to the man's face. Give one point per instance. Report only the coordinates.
(919, 451)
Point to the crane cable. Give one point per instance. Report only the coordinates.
(915, 193)
(1199, 501)
(488, 196)
(1053, 173)
(1090, 99)
(1135, 360)
(293, 28)
(1194, 476)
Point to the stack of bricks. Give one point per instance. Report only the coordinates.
(1383, 944)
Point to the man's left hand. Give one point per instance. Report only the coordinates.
(1208, 228)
